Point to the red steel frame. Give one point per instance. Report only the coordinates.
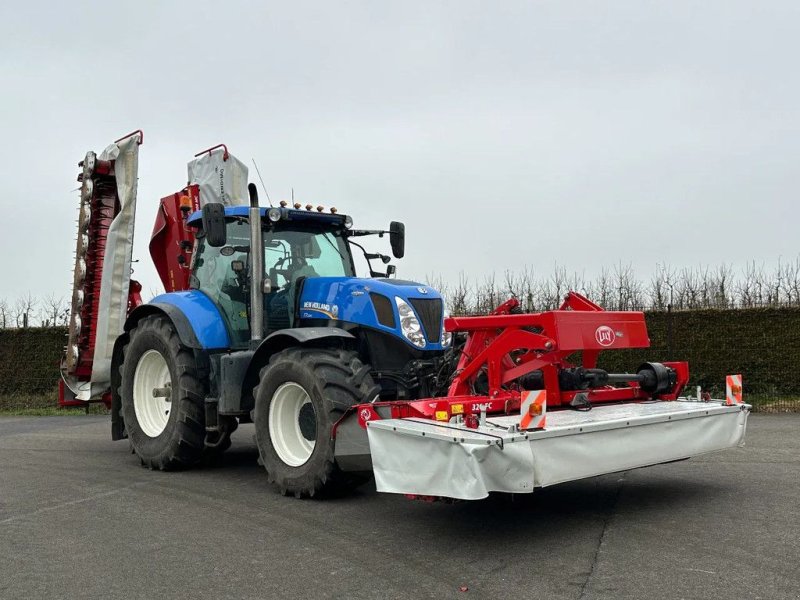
(172, 241)
(506, 346)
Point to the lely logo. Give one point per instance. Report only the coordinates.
(604, 335)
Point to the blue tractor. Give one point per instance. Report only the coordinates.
(275, 328)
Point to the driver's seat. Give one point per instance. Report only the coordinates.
(304, 270)
(280, 304)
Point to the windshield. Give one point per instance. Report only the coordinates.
(291, 254)
(294, 253)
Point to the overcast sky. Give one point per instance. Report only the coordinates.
(504, 134)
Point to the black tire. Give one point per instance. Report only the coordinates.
(334, 380)
(181, 442)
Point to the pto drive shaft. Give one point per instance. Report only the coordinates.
(654, 378)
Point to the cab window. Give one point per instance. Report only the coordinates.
(214, 274)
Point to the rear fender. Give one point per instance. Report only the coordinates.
(176, 316)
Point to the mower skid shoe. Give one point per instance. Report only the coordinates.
(454, 461)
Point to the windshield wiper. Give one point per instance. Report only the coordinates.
(327, 239)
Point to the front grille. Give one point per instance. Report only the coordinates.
(383, 310)
(429, 311)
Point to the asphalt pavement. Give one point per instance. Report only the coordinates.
(80, 518)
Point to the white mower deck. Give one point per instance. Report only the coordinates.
(419, 456)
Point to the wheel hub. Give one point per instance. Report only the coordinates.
(152, 384)
(292, 424)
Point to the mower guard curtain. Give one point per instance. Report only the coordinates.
(220, 180)
(116, 277)
(455, 465)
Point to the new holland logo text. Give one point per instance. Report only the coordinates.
(331, 310)
(317, 306)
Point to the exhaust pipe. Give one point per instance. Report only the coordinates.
(256, 268)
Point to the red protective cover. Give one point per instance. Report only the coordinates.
(172, 241)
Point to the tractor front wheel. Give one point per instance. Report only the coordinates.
(301, 395)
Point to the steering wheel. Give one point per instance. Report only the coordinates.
(279, 269)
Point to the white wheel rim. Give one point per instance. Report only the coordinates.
(152, 412)
(285, 410)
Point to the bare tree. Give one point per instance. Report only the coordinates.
(745, 287)
(790, 282)
(618, 288)
(24, 309)
(721, 297)
(53, 309)
(688, 288)
(487, 296)
(604, 288)
(459, 297)
(528, 292)
(659, 293)
(5, 314)
(627, 288)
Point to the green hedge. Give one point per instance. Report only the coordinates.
(29, 360)
(762, 344)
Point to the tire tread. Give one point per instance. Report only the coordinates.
(185, 446)
(344, 381)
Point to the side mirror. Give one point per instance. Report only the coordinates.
(214, 224)
(397, 238)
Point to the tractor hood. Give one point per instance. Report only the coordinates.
(412, 311)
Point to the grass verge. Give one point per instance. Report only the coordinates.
(43, 405)
(54, 411)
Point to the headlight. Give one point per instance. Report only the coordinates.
(409, 324)
(348, 221)
(447, 337)
(274, 214)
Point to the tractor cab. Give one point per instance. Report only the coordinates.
(295, 245)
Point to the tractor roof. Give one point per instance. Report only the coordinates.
(286, 214)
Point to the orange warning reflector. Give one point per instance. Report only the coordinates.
(733, 390)
(533, 410)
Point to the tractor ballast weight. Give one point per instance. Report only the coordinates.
(264, 319)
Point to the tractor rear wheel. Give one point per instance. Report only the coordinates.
(301, 395)
(162, 396)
